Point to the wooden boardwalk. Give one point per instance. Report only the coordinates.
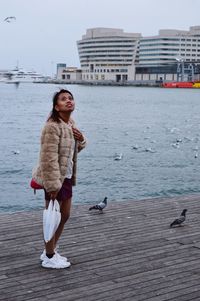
(128, 253)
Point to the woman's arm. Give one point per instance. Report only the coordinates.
(80, 139)
(78, 136)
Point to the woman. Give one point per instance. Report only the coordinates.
(60, 143)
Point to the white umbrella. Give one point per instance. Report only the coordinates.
(51, 220)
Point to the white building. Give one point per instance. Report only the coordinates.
(65, 73)
(160, 56)
(108, 54)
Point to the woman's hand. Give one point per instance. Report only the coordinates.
(78, 135)
(53, 195)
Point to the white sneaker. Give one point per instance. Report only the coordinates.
(55, 263)
(62, 258)
(43, 256)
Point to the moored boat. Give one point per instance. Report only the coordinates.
(196, 85)
(178, 85)
(22, 76)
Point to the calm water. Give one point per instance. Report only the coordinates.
(114, 119)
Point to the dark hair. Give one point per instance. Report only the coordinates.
(54, 115)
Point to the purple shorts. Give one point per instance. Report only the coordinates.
(64, 193)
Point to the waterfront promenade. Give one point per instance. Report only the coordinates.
(128, 253)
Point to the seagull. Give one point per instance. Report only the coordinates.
(100, 206)
(178, 221)
(149, 150)
(175, 145)
(9, 19)
(118, 156)
(16, 152)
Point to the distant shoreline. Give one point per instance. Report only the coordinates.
(107, 83)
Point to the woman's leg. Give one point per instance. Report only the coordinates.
(50, 245)
(54, 260)
(65, 207)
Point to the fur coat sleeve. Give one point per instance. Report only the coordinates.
(49, 162)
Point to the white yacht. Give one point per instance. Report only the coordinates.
(22, 76)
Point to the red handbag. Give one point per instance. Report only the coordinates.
(35, 185)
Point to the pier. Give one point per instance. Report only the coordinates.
(127, 253)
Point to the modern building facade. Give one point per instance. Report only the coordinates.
(108, 54)
(171, 55)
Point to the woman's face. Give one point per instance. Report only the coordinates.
(65, 103)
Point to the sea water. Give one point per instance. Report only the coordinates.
(154, 131)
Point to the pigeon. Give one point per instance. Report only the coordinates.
(178, 221)
(102, 205)
(9, 19)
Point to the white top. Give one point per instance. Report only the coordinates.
(70, 162)
(69, 171)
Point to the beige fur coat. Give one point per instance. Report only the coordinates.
(56, 143)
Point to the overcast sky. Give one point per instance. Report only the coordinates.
(45, 31)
